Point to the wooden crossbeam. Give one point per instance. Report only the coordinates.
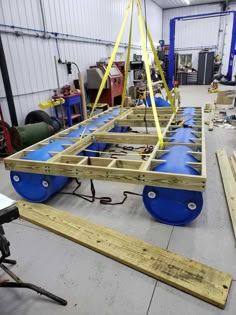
(128, 138)
(199, 280)
(128, 175)
(141, 123)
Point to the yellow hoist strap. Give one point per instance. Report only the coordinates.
(127, 60)
(149, 81)
(113, 55)
(157, 62)
(108, 69)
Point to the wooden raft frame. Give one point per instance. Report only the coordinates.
(199, 280)
(134, 171)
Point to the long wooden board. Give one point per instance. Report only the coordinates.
(229, 185)
(185, 274)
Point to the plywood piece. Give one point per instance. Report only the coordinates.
(185, 274)
(229, 185)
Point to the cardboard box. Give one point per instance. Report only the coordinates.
(223, 101)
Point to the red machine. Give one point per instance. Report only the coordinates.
(112, 92)
(121, 66)
(6, 134)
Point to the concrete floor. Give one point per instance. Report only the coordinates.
(94, 284)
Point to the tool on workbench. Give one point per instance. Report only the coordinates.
(8, 214)
(51, 103)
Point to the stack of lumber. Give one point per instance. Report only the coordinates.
(229, 182)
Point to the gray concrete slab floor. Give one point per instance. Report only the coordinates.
(94, 284)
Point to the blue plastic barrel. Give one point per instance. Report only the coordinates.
(39, 187)
(175, 206)
(159, 101)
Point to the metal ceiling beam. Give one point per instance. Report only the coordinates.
(191, 5)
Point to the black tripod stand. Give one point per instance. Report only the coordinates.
(8, 215)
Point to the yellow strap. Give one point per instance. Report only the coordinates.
(127, 61)
(108, 69)
(113, 55)
(157, 62)
(149, 81)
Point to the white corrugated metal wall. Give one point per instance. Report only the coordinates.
(191, 36)
(94, 25)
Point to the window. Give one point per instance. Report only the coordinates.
(185, 61)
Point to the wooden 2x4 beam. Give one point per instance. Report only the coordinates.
(126, 138)
(168, 180)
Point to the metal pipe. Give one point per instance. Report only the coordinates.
(213, 14)
(43, 17)
(7, 85)
(30, 93)
(192, 5)
(58, 91)
(61, 36)
(196, 48)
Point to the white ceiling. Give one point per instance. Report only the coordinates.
(167, 4)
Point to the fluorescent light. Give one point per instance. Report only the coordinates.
(187, 2)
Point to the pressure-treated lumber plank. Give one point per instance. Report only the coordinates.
(141, 122)
(229, 185)
(233, 165)
(185, 274)
(132, 176)
(211, 119)
(123, 137)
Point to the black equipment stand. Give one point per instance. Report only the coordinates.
(8, 215)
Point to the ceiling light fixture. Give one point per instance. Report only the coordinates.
(187, 2)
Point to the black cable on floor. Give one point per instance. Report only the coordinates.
(93, 197)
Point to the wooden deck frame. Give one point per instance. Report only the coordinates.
(131, 170)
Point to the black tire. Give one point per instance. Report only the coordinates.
(56, 124)
(38, 116)
(3, 146)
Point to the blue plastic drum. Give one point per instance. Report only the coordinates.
(174, 206)
(39, 187)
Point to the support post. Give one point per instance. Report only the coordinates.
(7, 85)
(172, 54)
(232, 49)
